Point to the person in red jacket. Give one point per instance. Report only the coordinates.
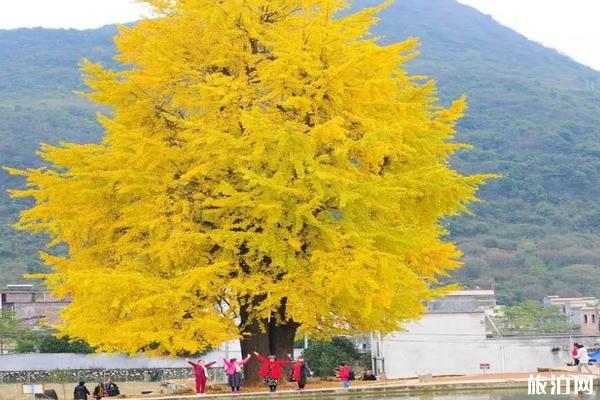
(300, 373)
(271, 370)
(200, 373)
(344, 374)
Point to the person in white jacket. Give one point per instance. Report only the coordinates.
(584, 359)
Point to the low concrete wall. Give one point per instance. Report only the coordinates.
(98, 375)
(38, 368)
(50, 362)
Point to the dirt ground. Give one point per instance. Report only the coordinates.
(134, 389)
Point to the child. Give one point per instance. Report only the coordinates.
(233, 369)
(300, 372)
(271, 370)
(200, 373)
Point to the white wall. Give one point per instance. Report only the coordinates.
(37, 362)
(446, 344)
(435, 344)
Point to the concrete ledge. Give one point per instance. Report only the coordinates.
(384, 389)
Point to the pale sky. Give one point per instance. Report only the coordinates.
(571, 26)
(79, 14)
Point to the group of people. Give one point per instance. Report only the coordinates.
(271, 372)
(581, 358)
(233, 370)
(106, 389)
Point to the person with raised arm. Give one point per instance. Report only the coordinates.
(233, 369)
(200, 374)
(271, 370)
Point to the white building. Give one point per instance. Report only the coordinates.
(457, 336)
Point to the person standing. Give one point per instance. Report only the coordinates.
(200, 374)
(81, 392)
(300, 372)
(584, 359)
(271, 370)
(233, 369)
(574, 353)
(344, 374)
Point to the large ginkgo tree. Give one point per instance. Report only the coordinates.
(267, 166)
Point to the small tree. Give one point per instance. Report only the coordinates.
(27, 344)
(323, 357)
(52, 344)
(531, 317)
(13, 332)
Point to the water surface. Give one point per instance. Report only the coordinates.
(517, 394)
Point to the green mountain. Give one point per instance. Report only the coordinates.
(534, 117)
(38, 76)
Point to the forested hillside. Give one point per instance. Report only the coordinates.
(534, 117)
(38, 76)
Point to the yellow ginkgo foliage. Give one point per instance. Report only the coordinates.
(267, 166)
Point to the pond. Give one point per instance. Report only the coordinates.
(517, 394)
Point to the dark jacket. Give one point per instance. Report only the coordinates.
(80, 392)
(113, 390)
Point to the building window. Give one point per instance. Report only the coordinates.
(593, 318)
(585, 318)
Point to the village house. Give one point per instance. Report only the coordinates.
(31, 306)
(583, 312)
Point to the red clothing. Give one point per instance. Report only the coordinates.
(275, 367)
(200, 375)
(200, 384)
(344, 373)
(198, 370)
(297, 371)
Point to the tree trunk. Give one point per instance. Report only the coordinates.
(257, 339)
(281, 338)
(282, 341)
(275, 336)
